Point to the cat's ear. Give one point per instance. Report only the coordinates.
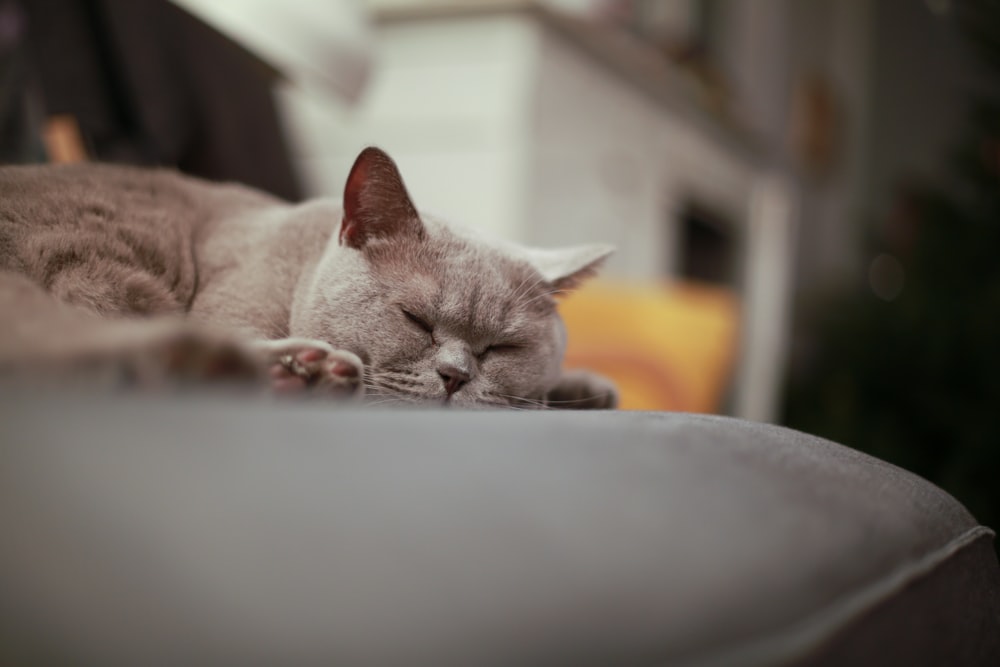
(376, 204)
(566, 268)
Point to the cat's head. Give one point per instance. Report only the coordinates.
(436, 314)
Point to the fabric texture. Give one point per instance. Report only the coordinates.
(207, 530)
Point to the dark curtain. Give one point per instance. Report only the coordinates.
(148, 83)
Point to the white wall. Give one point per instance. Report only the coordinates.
(611, 164)
(500, 123)
(447, 101)
(596, 167)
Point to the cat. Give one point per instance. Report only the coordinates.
(146, 276)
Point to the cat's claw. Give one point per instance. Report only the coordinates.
(307, 366)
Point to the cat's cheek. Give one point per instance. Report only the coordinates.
(510, 378)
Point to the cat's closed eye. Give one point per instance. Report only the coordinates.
(418, 321)
(499, 349)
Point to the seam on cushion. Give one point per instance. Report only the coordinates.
(795, 641)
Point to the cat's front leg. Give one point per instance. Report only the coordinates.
(302, 365)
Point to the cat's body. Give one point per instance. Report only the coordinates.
(99, 265)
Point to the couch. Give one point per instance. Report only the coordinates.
(209, 530)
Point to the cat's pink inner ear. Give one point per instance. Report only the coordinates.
(349, 229)
(376, 204)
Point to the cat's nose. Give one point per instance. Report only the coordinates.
(453, 377)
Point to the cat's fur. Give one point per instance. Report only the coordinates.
(114, 273)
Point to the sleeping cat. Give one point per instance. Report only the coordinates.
(118, 274)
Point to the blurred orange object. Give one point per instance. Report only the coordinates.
(668, 346)
(63, 140)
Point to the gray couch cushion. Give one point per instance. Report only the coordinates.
(210, 530)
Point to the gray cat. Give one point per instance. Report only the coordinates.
(115, 273)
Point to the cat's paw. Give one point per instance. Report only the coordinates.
(298, 366)
(583, 390)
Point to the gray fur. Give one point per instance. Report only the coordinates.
(103, 264)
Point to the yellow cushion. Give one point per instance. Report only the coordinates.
(667, 346)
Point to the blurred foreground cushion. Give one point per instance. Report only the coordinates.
(210, 532)
(668, 346)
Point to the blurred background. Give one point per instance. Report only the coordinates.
(804, 193)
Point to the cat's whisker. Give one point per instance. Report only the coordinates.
(517, 408)
(517, 291)
(521, 293)
(544, 295)
(588, 400)
(404, 393)
(390, 400)
(523, 288)
(548, 404)
(519, 402)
